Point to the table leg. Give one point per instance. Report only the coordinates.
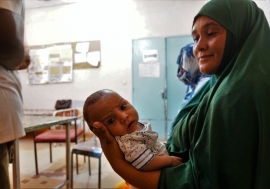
(16, 166)
(68, 164)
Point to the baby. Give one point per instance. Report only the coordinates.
(136, 139)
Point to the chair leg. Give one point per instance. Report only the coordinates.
(71, 176)
(89, 166)
(99, 172)
(77, 165)
(50, 152)
(35, 152)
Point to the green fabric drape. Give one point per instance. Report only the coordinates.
(223, 133)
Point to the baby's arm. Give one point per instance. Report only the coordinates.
(159, 162)
(143, 159)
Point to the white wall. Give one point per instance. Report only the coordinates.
(115, 23)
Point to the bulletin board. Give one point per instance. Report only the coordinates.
(54, 63)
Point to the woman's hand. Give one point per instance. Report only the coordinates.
(116, 158)
(175, 161)
(108, 143)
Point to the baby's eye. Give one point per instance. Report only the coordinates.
(123, 106)
(111, 120)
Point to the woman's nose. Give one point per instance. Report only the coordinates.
(200, 45)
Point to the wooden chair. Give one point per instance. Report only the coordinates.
(59, 135)
(90, 148)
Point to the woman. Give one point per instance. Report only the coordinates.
(189, 73)
(223, 132)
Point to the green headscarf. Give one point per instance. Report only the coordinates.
(223, 133)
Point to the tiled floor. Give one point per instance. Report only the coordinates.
(52, 174)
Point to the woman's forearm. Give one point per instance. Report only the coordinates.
(137, 178)
(149, 176)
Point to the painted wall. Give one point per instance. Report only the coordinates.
(115, 23)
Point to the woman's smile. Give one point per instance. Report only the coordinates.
(204, 58)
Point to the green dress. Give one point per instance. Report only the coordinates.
(223, 133)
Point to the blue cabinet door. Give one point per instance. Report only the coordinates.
(175, 88)
(157, 92)
(148, 80)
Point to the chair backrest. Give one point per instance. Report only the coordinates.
(72, 112)
(63, 104)
(77, 104)
(66, 112)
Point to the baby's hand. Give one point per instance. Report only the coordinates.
(175, 161)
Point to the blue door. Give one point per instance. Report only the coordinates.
(148, 81)
(175, 88)
(157, 92)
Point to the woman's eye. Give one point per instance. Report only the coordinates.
(195, 39)
(210, 34)
(110, 121)
(123, 106)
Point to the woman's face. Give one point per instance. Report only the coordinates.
(209, 43)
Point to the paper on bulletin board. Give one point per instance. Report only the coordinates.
(79, 57)
(93, 58)
(149, 69)
(38, 68)
(87, 55)
(51, 64)
(150, 55)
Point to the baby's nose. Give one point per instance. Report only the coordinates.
(123, 117)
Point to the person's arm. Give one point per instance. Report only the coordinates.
(11, 39)
(159, 162)
(26, 61)
(114, 155)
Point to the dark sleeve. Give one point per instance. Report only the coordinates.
(182, 131)
(170, 180)
(11, 39)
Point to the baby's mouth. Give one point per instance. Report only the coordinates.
(130, 125)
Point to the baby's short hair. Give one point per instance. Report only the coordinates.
(92, 99)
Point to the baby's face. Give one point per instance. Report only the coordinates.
(116, 113)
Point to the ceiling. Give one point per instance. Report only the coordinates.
(32, 4)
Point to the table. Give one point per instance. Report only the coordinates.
(33, 123)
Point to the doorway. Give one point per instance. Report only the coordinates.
(157, 92)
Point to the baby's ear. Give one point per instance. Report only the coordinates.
(89, 124)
